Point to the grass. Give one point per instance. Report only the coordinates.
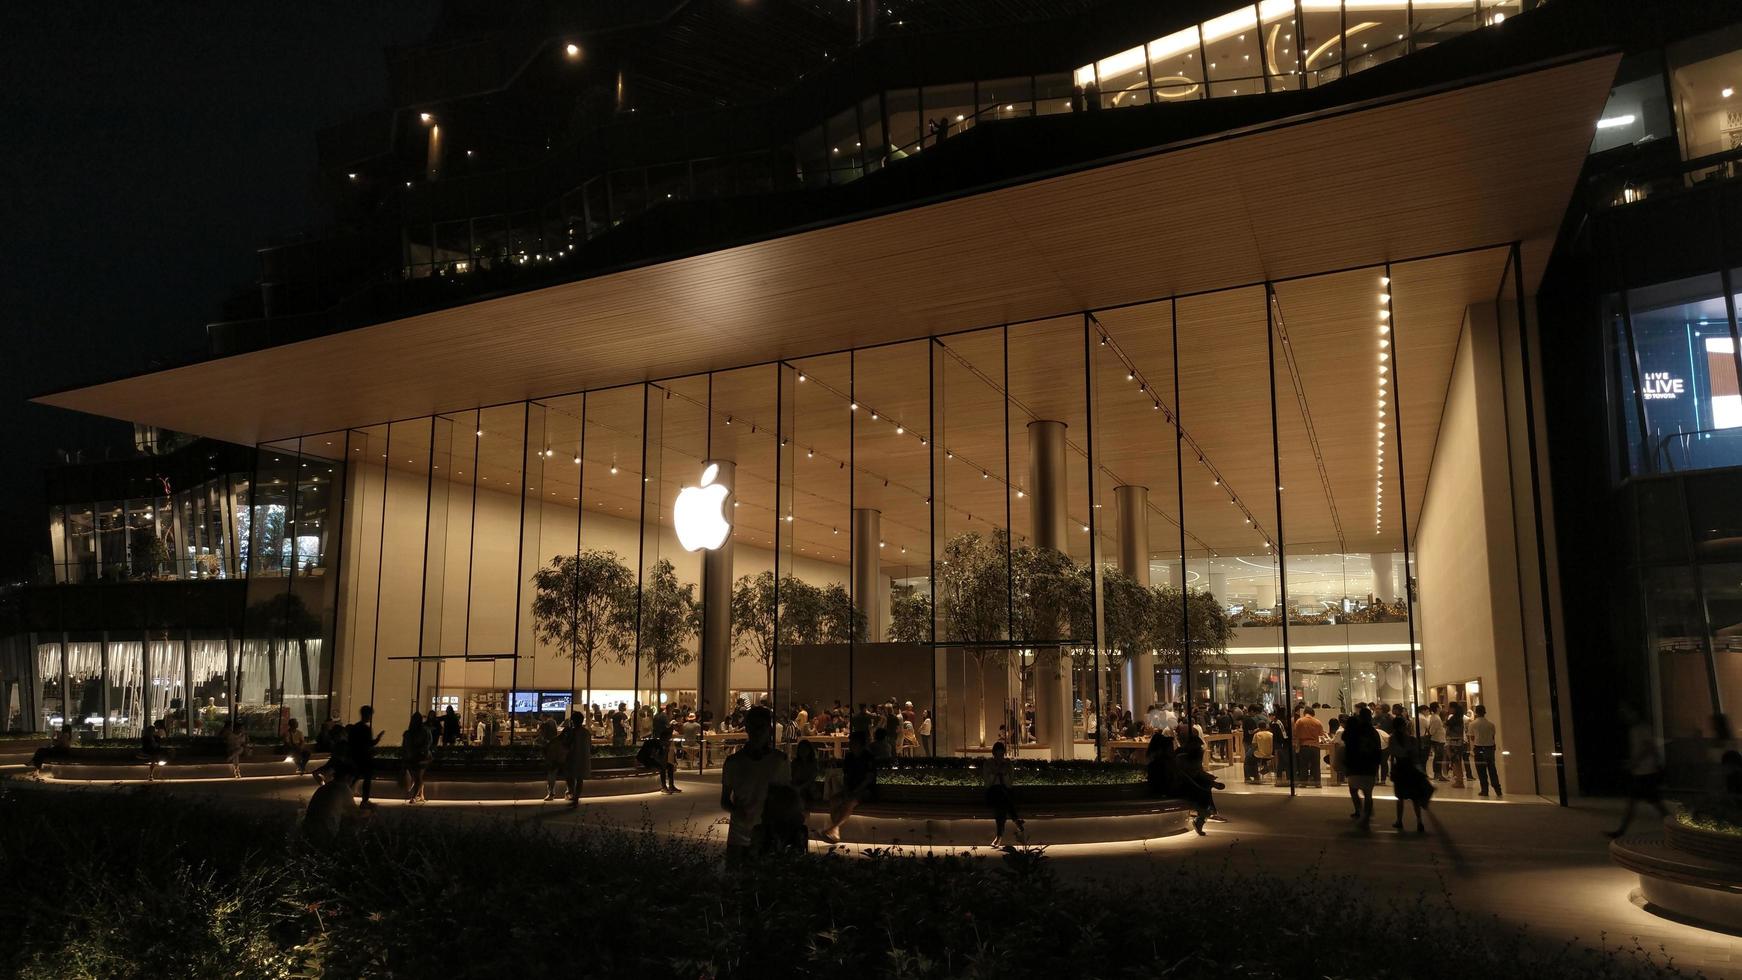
(149, 885)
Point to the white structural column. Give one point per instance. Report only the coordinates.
(1133, 502)
(1267, 592)
(1047, 509)
(867, 577)
(716, 672)
(1384, 576)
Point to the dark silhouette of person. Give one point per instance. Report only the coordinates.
(360, 741)
(579, 763)
(1195, 782)
(1644, 768)
(450, 726)
(1000, 794)
(1408, 779)
(1361, 761)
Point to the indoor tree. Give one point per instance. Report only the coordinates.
(669, 618)
(839, 620)
(1189, 618)
(755, 616)
(584, 607)
(801, 611)
(910, 616)
(973, 590)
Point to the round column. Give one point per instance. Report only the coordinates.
(716, 667)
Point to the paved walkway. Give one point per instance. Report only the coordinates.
(1538, 866)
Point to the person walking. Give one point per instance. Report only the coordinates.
(578, 764)
(235, 747)
(1361, 757)
(151, 749)
(296, 746)
(1644, 768)
(858, 782)
(416, 750)
(746, 779)
(360, 740)
(1485, 736)
(1195, 782)
(1408, 780)
(1000, 794)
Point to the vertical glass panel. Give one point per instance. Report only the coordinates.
(1052, 580)
(366, 484)
(51, 703)
(974, 493)
(1637, 112)
(1704, 74)
(1687, 374)
(489, 603)
(1231, 47)
(1123, 79)
(1006, 98)
(1233, 597)
(1277, 36)
(846, 151)
(1175, 70)
(1321, 41)
(677, 445)
(454, 478)
(167, 681)
(84, 666)
(904, 122)
(111, 541)
(81, 541)
(871, 132)
(948, 110)
(610, 540)
(259, 675)
(125, 682)
(813, 157)
(404, 544)
(893, 662)
(1378, 32)
(819, 650)
(1676, 639)
(1138, 517)
(1442, 20)
(550, 579)
(1053, 94)
(752, 444)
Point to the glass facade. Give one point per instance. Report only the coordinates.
(1024, 531)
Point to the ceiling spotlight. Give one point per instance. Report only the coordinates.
(572, 49)
(801, 378)
(853, 407)
(425, 118)
(900, 431)
(1727, 92)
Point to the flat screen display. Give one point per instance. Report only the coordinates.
(523, 702)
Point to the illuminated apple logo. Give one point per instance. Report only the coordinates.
(700, 513)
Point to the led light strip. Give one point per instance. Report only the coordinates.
(1384, 400)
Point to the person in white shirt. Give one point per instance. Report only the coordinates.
(1484, 736)
(1154, 719)
(1644, 767)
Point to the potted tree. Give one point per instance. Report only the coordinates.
(583, 606)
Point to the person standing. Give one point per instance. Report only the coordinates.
(620, 725)
(925, 733)
(746, 779)
(361, 739)
(450, 726)
(578, 761)
(1486, 738)
(1455, 747)
(1644, 767)
(417, 751)
(1307, 734)
(999, 794)
(555, 753)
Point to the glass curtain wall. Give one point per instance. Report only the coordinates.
(1063, 533)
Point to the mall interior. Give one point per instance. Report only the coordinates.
(1319, 391)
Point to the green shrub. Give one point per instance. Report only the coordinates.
(148, 885)
(1713, 814)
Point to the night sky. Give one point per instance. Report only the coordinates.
(149, 149)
